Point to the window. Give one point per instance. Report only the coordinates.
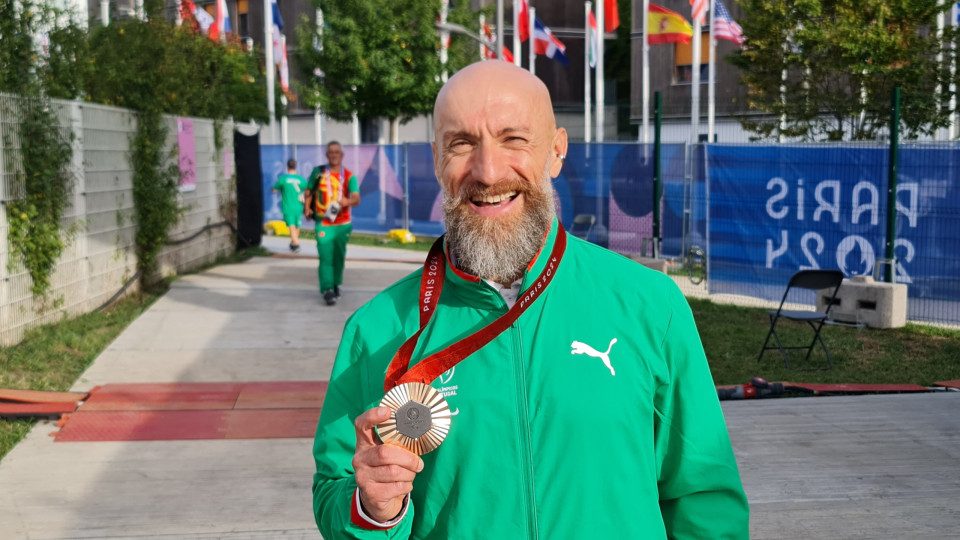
(683, 60)
(243, 22)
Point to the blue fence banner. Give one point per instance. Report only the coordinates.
(775, 210)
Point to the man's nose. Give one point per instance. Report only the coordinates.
(488, 164)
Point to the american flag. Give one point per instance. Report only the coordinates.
(724, 27)
(700, 10)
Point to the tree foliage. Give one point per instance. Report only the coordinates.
(378, 58)
(842, 59)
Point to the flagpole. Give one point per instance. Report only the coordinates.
(533, 50)
(695, 87)
(587, 8)
(938, 90)
(444, 38)
(601, 31)
(271, 67)
(645, 74)
(317, 114)
(712, 75)
(952, 130)
(500, 29)
(516, 32)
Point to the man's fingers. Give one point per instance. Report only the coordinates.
(365, 423)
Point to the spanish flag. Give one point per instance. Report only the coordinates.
(665, 26)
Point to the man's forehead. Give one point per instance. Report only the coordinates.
(493, 96)
(495, 115)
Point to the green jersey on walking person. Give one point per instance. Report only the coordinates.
(331, 191)
(291, 187)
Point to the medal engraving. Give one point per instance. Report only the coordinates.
(413, 420)
(419, 418)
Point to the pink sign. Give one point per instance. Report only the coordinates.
(188, 154)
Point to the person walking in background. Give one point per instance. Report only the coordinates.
(291, 186)
(331, 191)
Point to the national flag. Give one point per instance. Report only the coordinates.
(488, 53)
(699, 11)
(547, 44)
(524, 26)
(592, 41)
(278, 51)
(611, 17)
(724, 27)
(284, 70)
(204, 19)
(223, 18)
(665, 26)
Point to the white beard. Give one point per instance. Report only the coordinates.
(501, 248)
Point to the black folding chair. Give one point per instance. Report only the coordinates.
(582, 225)
(805, 279)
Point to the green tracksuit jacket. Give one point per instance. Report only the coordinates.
(546, 442)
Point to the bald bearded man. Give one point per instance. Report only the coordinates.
(581, 402)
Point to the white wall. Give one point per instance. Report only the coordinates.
(100, 258)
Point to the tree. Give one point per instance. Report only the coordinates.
(842, 58)
(375, 58)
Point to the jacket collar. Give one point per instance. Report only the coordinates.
(476, 293)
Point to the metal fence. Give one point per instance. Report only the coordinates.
(737, 219)
(100, 258)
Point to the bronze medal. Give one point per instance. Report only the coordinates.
(419, 418)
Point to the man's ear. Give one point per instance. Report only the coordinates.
(559, 152)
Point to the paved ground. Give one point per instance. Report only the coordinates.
(857, 467)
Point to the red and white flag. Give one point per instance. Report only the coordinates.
(488, 53)
(524, 25)
(699, 11)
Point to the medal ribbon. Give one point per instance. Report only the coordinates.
(431, 283)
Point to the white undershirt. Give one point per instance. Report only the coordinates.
(509, 294)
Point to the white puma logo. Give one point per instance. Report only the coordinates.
(582, 348)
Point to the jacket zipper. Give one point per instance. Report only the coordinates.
(523, 422)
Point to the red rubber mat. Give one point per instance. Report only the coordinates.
(282, 395)
(188, 425)
(858, 388)
(37, 396)
(186, 411)
(34, 410)
(949, 384)
(162, 397)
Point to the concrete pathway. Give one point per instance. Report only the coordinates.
(864, 467)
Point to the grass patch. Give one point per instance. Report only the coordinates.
(423, 243)
(732, 337)
(52, 357)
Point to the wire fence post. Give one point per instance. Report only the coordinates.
(657, 187)
(892, 183)
(405, 225)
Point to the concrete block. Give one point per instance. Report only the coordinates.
(863, 300)
(659, 265)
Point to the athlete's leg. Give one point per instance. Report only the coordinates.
(325, 251)
(340, 253)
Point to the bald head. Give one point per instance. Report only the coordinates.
(490, 81)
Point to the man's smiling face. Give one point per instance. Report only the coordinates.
(496, 149)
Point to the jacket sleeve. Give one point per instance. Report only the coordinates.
(334, 486)
(701, 495)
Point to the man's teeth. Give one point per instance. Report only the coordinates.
(495, 199)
